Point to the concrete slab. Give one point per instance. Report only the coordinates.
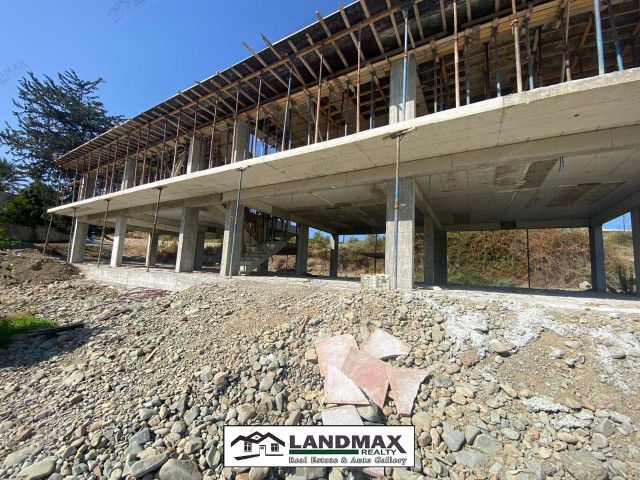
(340, 389)
(334, 350)
(343, 415)
(383, 345)
(405, 383)
(369, 373)
(376, 472)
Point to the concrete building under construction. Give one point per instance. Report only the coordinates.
(384, 117)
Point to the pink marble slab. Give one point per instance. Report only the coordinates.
(369, 374)
(333, 350)
(341, 389)
(383, 345)
(405, 383)
(343, 415)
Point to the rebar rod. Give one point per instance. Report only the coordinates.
(213, 129)
(495, 50)
(405, 65)
(175, 148)
(358, 79)
(235, 128)
(235, 223)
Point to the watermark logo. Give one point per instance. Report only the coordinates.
(122, 8)
(340, 446)
(12, 70)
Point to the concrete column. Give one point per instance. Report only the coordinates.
(395, 95)
(596, 251)
(152, 249)
(227, 240)
(78, 242)
(635, 232)
(88, 187)
(302, 249)
(241, 149)
(186, 258)
(117, 248)
(406, 233)
(429, 251)
(197, 152)
(440, 270)
(263, 268)
(333, 260)
(129, 173)
(200, 239)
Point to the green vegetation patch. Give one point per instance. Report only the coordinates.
(10, 326)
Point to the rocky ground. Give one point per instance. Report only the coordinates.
(519, 388)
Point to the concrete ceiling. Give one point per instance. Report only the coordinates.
(480, 166)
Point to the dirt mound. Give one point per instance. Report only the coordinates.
(30, 267)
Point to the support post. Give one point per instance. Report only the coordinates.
(429, 251)
(402, 246)
(333, 260)
(117, 247)
(635, 233)
(597, 20)
(200, 239)
(78, 242)
(440, 257)
(302, 249)
(186, 258)
(397, 99)
(596, 251)
(152, 248)
(227, 247)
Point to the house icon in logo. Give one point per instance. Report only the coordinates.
(267, 444)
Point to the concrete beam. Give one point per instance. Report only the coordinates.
(194, 202)
(589, 143)
(616, 210)
(596, 253)
(530, 224)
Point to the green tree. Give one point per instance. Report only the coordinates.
(29, 207)
(11, 177)
(54, 117)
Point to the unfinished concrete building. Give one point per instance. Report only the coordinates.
(388, 117)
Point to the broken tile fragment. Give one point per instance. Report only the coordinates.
(369, 373)
(341, 389)
(383, 345)
(405, 383)
(334, 350)
(343, 415)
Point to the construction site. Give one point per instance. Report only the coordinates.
(388, 118)
(400, 152)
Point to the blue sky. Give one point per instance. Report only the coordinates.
(145, 50)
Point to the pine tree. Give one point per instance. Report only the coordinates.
(53, 117)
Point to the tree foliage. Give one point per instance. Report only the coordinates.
(29, 207)
(11, 176)
(53, 116)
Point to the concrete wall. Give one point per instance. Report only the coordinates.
(37, 234)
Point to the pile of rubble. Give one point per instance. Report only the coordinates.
(515, 390)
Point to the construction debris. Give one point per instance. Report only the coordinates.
(383, 345)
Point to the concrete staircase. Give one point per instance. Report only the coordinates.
(260, 254)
